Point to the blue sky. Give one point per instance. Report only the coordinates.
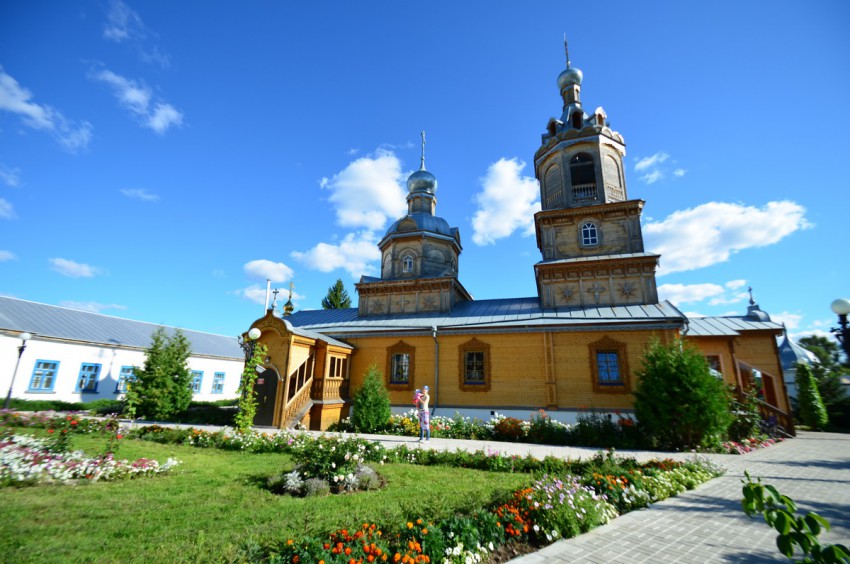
(160, 160)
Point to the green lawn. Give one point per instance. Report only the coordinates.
(211, 503)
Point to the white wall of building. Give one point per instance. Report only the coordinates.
(72, 356)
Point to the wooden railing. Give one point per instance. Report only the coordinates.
(296, 404)
(332, 389)
(776, 420)
(584, 191)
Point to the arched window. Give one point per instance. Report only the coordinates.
(589, 234)
(407, 264)
(578, 120)
(583, 177)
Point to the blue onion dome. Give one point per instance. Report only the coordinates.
(422, 181)
(569, 76)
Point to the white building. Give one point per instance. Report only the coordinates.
(79, 356)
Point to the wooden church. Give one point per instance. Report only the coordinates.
(576, 345)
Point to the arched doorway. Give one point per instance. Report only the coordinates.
(265, 390)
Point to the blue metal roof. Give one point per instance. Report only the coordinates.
(86, 327)
(503, 313)
(727, 326)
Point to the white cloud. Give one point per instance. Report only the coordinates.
(652, 177)
(811, 333)
(266, 269)
(735, 284)
(124, 25)
(733, 298)
(507, 203)
(647, 163)
(7, 255)
(163, 117)
(138, 98)
(18, 100)
(356, 254)
(140, 194)
(73, 269)
(368, 191)
(679, 172)
(7, 211)
(10, 176)
(219, 273)
(791, 320)
(688, 293)
(93, 307)
(710, 233)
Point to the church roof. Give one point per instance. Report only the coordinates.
(790, 353)
(512, 313)
(424, 222)
(56, 322)
(727, 326)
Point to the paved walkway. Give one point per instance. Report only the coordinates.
(705, 524)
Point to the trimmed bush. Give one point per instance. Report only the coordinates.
(371, 403)
(812, 411)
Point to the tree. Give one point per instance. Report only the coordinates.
(678, 403)
(812, 411)
(161, 388)
(371, 403)
(247, 394)
(337, 297)
(828, 374)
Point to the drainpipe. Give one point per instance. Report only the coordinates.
(436, 368)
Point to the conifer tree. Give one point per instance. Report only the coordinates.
(160, 389)
(371, 403)
(812, 411)
(337, 297)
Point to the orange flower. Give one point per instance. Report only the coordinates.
(289, 542)
(419, 521)
(396, 557)
(296, 559)
(347, 550)
(409, 525)
(424, 531)
(370, 558)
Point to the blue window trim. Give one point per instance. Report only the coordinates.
(53, 374)
(218, 382)
(124, 378)
(88, 374)
(197, 381)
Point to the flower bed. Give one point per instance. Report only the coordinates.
(748, 445)
(26, 460)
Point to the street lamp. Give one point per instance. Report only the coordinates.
(24, 338)
(841, 307)
(249, 343)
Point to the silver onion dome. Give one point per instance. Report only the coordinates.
(422, 181)
(568, 77)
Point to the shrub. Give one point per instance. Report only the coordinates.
(508, 429)
(678, 402)
(160, 388)
(544, 430)
(371, 403)
(745, 417)
(812, 411)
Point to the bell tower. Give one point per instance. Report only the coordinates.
(588, 231)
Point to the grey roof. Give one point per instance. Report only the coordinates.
(597, 257)
(314, 335)
(424, 222)
(727, 326)
(86, 327)
(484, 314)
(790, 353)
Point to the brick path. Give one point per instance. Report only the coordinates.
(708, 525)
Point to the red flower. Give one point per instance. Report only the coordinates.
(50, 430)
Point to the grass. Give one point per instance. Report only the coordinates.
(208, 506)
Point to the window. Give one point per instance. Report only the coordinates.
(218, 383)
(407, 264)
(609, 370)
(400, 369)
(583, 177)
(197, 378)
(400, 366)
(87, 382)
(589, 234)
(124, 377)
(474, 366)
(714, 365)
(44, 376)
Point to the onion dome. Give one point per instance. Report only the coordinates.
(422, 180)
(570, 76)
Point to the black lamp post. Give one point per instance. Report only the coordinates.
(841, 307)
(24, 338)
(249, 343)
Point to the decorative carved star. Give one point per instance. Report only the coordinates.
(627, 289)
(430, 302)
(568, 292)
(377, 306)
